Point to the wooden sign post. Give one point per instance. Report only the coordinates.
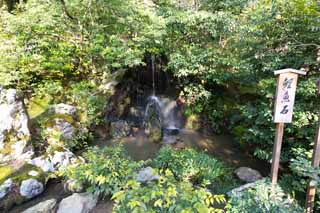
(311, 192)
(285, 95)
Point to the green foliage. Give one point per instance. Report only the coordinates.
(261, 199)
(91, 101)
(165, 195)
(105, 171)
(190, 165)
(224, 62)
(222, 54)
(47, 41)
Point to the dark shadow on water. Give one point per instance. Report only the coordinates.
(139, 147)
(224, 148)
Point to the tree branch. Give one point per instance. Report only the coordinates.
(64, 7)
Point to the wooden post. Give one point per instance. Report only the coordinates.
(311, 191)
(283, 110)
(276, 153)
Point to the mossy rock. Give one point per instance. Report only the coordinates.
(155, 135)
(193, 122)
(14, 197)
(21, 173)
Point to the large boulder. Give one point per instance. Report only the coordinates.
(48, 206)
(153, 130)
(14, 131)
(152, 120)
(62, 128)
(120, 129)
(78, 203)
(42, 162)
(65, 109)
(30, 188)
(247, 174)
(62, 158)
(61, 125)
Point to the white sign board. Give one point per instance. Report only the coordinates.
(285, 95)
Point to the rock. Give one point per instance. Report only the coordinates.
(62, 158)
(5, 188)
(78, 203)
(147, 174)
(65, 109)
(153, 129)
(48, 206)
(14, 131)
(135, 131)
(247, 174)
(152, 121)
(56, 161)
(44, 163)
(33, 173)
(109, 86)
(65, 129)
(193, 122)
(169, 139)
(119, 129)
(171, 131)
(73, 186)
(237, 191)
(30, 188)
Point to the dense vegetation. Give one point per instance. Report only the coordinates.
(222, 53)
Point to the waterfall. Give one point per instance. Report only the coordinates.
(153, 68)
(154, 106)
(161, 113)
(165, 109)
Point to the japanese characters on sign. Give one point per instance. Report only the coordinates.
(286, 89)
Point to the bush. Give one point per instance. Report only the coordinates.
(189, 164)
(165, 195)
(260, 199)
(91, 101)
(105, 171)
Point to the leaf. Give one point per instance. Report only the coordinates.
(158, 203)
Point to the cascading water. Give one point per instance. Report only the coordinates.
(161, 112)
(165, 110)
(153, 68)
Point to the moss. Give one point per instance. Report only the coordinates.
(10, 139)
(37, 106)
(22, 174)
(193, 122)
(5, 172)
(83, 117)
(48, 121)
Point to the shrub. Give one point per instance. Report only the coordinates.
(105, 171)
(165, 195)
(189, 164)
(91, 101)
(260, 199)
